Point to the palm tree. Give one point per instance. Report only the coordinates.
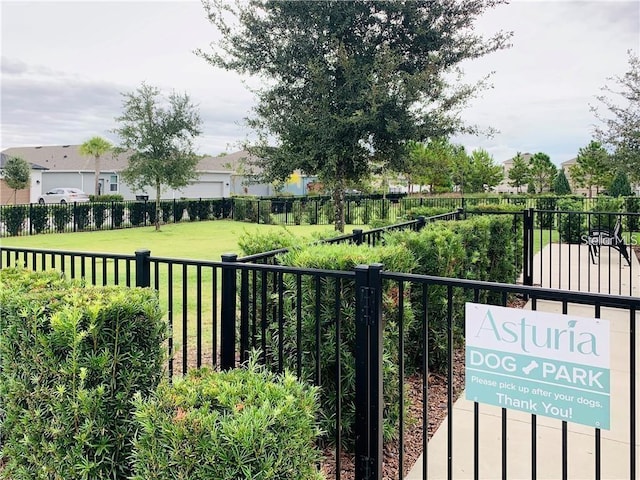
(96, 147)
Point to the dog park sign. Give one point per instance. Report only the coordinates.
(545, 364)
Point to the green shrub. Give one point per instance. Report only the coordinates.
(296, 210)
(327, 212)
(571, 223)
(82, 215)
(311, 209)
(265, 212)
(382, 209)
(367, 212)
(99, 214)
(62, 215)
(475, 237)
(549, 204)
(251, 243)
(72, 359)
(39, 218)
(137, 213)
(117, 214)
(14, 217)
(338, 257)
(166, 210)
(180, 207)
(494, 208)
(416, 212)
(151, 212)
(611, 205)
(193, 209)
(242, 423)
(245, 209)
(106, 198)
(438, 251)
(632, 205)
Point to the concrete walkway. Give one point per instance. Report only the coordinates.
(615, 443)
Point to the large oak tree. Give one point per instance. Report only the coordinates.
(347, 84)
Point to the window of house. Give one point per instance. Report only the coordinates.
(113, 183)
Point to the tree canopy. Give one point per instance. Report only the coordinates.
(620, 185)
(519, 173)
(561, 184)
(349, 83)
(542, 172)
(619, 126)
(159, 134)
(17, 174)
(96, 147)
(483, 172)
(592, 167)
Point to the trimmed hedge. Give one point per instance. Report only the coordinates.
(242, 423)
(72, 358)
(572, 221)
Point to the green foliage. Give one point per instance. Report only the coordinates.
(180, 207)
(99, 213)
(427, 212)
(542, 172)
(493, 208)
(72, 359)
(160, 134)
(546, 219)
(110, 197)
(519, 173)
(245, 209)
(311, 209)
(632, 205)
(620, 187)
(96, 147)
(117, 214)
(265, 212)
(16, 173)
(296, 210)
(39, 215)
(151, 211)
(251, 243)
(137, 213)
(483, 172)
(592, 168)
(572, 225)
(243, 423)
(14, 217)
(62, 215)
(344, 101)
(339, 257)
(561, 184)
(610, 208)
(166, 210)
(82, 215)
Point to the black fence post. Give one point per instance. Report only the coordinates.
(368, 359)
(143, 268)
(30, 218)
(527, 250)
(422, 221)
(460, 213)
(75, 217)
(228, 313)
(357, 236)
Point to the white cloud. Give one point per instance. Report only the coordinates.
(64, 65)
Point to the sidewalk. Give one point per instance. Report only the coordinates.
(615, 446)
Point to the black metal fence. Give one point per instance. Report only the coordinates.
(359, 210)
(301, 318)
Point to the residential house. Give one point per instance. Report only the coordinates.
(219, 176)
(26, 195)
(505, 185)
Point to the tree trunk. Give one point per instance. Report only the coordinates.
(338, 205)
(157, 205)
(96, 186)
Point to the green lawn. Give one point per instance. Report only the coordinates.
(191, 240)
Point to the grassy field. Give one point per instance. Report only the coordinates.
(191, 240)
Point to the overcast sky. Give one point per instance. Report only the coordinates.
(65, 64)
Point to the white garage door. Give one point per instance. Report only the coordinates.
(203, 190)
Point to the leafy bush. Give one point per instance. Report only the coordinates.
(311, 209)
(166, 210)
(327, 212)
(245, 210)
(549, 204)
(179, 208)
(571, 222)
(137, 213)
(99, 211)
(14, 217)
(612, 206)
(117, 214)
(632, 205)
(438, 251)
(338, 257)
(39, 218)
(193, 209)
(265, 212)
(251, 243)
(116, 197)
(242, 423)
(494, 208)
(72, 359)
(62, 215)
(416, 212)
(151, 212)
(82, 215)
(296, 210)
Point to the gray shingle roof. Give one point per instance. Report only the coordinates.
(4, 158)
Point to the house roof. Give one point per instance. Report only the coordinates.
(568, 163)
(68, 158)
(4, 158)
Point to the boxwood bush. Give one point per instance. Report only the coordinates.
(14, 217)
(62, 215)
(571, 220)
(71, 359)
(39, 216)
(99, 214)
(242, 423)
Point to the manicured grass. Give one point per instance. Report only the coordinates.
(191, 240)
